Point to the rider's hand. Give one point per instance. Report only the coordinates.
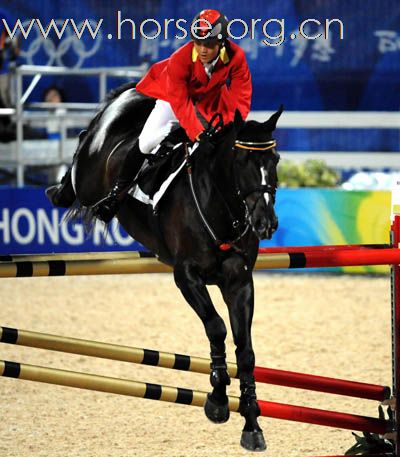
(232, 128)
(203, 137)
(205, 144)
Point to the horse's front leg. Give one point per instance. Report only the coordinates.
(238, 292)
(195, 292)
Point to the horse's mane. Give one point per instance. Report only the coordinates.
(114, 93)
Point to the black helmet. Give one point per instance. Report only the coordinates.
(215, 29)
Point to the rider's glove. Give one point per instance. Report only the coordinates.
(204, 137)
(206, 146)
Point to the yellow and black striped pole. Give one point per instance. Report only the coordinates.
(106, 384)
(89, 266)
(133, 265)
(187, 396)
(108, 351)
(105, 255)
(136, 264)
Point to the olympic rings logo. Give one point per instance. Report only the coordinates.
(36, 48)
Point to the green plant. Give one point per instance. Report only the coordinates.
(371, 443)
(311, 173)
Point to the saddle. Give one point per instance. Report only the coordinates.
(161, 169)
(164, 166)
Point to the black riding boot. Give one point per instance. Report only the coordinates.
(63, 194)
(107, 208)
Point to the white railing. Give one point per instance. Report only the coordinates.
(333, 119)
(46, 152)
(362, 120)
(16, 156)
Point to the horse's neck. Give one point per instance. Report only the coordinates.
(219, 176)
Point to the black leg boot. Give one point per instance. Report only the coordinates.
(63, 194)
(107, 208)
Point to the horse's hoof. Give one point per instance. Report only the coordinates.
(253, 441)
(216, 413)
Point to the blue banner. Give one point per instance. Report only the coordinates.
(29, 224)
(353, 65)
(328, 55)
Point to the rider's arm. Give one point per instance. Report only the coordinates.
(240, 88)
(179, 98)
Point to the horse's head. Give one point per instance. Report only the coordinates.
(256, 162)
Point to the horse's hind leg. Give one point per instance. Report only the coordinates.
(238, 292)
(195, 292)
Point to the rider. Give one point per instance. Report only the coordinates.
(208, 75)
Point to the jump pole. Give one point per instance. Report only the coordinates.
(395, 289)
(136, 254)
(323, 248)
(74, 256)
(189, 363)
(188, 397)
(315, 259)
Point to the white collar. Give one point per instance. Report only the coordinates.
(209, 67)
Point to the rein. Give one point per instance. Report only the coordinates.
(223, 246)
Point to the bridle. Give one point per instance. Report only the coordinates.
(262, 188)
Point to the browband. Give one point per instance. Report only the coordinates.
(256, 146)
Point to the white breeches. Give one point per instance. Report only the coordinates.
(159, 124)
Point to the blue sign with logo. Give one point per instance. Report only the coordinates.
(29, 224)
(325, 55)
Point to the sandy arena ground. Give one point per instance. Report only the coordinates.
(328, 325)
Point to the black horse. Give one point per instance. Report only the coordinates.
(207, 226)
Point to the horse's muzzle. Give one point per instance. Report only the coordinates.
(272, 228)
(264, 227)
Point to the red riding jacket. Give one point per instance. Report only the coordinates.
(182, 81)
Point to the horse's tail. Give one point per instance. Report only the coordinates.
(96, 167)
(81, 214)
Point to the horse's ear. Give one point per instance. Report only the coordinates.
(270, 124)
